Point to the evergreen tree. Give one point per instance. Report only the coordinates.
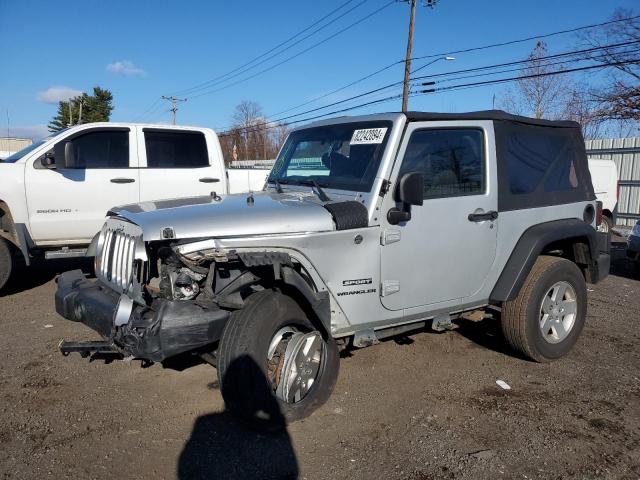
(95, 108)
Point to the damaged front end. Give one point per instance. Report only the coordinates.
(156, 300)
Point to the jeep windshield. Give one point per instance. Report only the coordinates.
(344, 156)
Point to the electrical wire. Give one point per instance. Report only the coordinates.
(251, 64)
(288, 59)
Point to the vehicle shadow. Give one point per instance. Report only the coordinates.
(621, 266)
(220, 446)
(41, 272)
(487, 334)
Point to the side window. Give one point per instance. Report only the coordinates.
(539, 159)
(452, 161)
(102, 149)
(175, 149)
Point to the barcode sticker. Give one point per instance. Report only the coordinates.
(368, 136)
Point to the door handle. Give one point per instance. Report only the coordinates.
(481, 217)
(209, 180)
(122, 180)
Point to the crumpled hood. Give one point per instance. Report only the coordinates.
(232, 215)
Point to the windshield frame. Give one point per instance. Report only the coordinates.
(283, 161)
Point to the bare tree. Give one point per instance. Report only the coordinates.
(619, 99)
(540, 95)
(246, 118)
(252, 136)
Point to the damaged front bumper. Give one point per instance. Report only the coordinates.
(162, 330)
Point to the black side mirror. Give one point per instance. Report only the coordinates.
(410, 191)
(63, 153)
(48, 160)
(411, 188)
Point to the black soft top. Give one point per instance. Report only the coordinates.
(540, 162)
(490, 115)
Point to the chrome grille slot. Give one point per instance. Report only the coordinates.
(116, 256)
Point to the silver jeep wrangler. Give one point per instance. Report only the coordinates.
(368, 227)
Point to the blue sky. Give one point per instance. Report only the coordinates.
(141, 50)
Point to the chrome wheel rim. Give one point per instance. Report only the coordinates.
(293, 362)
(558, 312)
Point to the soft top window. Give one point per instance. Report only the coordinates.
(540, 165)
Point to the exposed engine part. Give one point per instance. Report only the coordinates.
(185, 284)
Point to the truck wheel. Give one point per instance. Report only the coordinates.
(6, 262)
(544, 321)
(274, 366)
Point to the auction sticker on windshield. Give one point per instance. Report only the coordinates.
(367, 136)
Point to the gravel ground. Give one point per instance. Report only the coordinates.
(420, 407)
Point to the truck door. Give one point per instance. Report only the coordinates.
(444, 253)
(178, 163)
(68, 205)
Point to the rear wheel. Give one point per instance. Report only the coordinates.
(545, 320)
(274, 365)
(6, 262)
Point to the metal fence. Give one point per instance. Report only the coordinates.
(625, 152)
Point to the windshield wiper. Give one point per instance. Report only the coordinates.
(317, 189)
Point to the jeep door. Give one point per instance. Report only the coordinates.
(444, 253)
(177, 163)
(68, 204)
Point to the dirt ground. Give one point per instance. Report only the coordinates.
(419, 407)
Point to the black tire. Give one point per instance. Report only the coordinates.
(7, 263)
(521, 317)
(242, 362)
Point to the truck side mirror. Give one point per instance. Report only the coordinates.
(410, 191)
(48, 160)
(411, 188)
(63, 154)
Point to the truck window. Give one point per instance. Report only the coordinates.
(101, 149)
(452, 161)
(175, 149)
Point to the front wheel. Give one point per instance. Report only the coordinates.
(274, 365)
(545, 320)
(6, 262)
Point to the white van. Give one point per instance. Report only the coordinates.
(604, 176)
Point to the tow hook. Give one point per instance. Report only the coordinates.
(88, 348)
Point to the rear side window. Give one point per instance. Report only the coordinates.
(539, 161)
(451, 160)
(102, 149)
(540, 165)
(175, 149)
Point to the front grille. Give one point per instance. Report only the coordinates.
(116, 257)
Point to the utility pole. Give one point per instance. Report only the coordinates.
(80, 113)
(407, 61)
(174, 105)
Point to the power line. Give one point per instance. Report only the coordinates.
(519, 62)
(288, 59)
(174, 105)
(366, 77)
(375, 90)
(536, 75)
(251, 64)
(521, 40)
(431, 91)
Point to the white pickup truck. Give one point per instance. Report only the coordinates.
(55, 194)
